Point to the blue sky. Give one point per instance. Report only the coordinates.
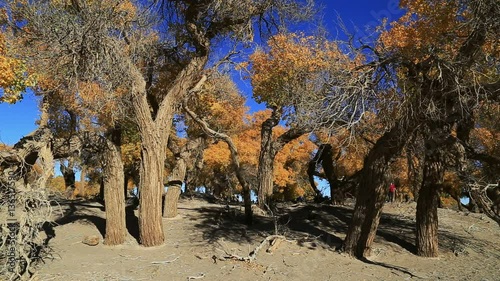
(19, 119)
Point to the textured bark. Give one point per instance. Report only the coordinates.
(174, 189)
(268, 150)
(372, 193)
(113, 193)
(266, 159)
(428, 200)
(47, 165)
(154, 130)
(487, 205)
(151, 188)
(184, 157)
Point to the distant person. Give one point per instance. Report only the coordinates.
(392, 192)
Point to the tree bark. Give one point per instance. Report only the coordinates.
(372, 193)
(151, 189)
(184, 157)
(266, 159)
(83, 184)
(428, 201)
(113, 193)
(174, 188)
(154, 130)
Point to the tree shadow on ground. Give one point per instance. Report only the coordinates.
(301, 222)
(325, 224)
(132, 222)
(73, 212)
(397, 230)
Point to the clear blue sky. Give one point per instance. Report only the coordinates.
(19, 119)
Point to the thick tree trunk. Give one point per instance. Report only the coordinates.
(428, 200)
(174, 189)
(265, 176)
(154, 130)
(371, 194)
(266, 159)
(151, 189)
(113, 193)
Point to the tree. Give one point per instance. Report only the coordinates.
(295, 78)
(437, 66)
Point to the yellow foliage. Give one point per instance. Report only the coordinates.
(14, 78)
(291, 66)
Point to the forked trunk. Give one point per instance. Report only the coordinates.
(113, 195)
(371, 194)
(427, 204)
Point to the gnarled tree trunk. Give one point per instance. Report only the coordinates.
(174, 189)
(184, 157)
(428, 200)
(154, 128)
(372, 193)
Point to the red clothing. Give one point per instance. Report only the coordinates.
(392, 188)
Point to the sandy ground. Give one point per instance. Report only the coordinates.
(205, 232)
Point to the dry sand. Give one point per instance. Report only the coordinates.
(204, 232)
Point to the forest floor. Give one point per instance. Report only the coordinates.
(205, 232)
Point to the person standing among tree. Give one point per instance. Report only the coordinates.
(392, 192)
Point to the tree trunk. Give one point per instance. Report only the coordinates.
(266, 159)
(265, 176)
(174, 189)
(47, 165)
(113, 193)
(372, 193)
(235, 160)
(83, 184)
(151, 189)
(154, 130)
(325, 157)
(69, 178)
(428, 200)
(184, 157)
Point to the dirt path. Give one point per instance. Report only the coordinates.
(204, 232)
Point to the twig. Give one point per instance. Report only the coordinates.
(196, 277)
(165, 262)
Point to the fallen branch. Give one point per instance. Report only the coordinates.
(253, 255)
